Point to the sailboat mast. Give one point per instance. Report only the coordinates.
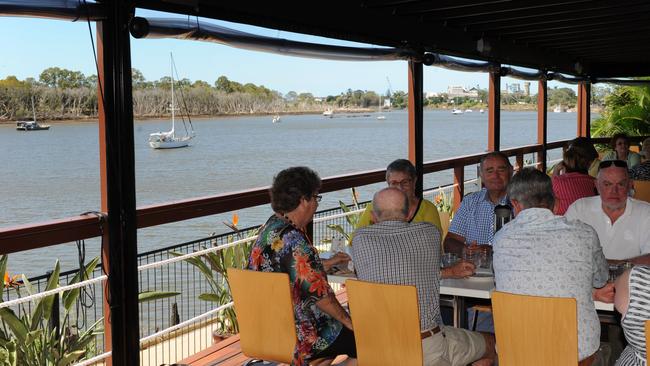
(33, 109)
(173, 109)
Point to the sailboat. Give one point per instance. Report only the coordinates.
(31, 125)
(276, 119)
(380, 116)
(169, 139)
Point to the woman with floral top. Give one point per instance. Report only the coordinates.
(323, 327)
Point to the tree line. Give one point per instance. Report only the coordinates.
(59, 93)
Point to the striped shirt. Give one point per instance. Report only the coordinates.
(570, 187)
(633, 321)
(402, 253)
(641, 171)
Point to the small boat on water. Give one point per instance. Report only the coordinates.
(456, 111)
(169, 139)
(276, 119)
(328, 113)
(468, 111)
(482, 111)
(32, 125)
(558, 109)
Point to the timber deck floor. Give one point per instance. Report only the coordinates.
(228, 352)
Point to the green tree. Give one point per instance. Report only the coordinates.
(562, 96)
(627, 110)
(62, 78)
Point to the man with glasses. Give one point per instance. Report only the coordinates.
(474, 223)
(622, 223)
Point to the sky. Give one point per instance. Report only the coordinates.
(29, 45)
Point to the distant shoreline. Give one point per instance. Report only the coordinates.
(508, 108)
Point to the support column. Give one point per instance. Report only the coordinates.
(584, 112)
(494, 112)
(117, 165)
(542, 123)
(416, 121)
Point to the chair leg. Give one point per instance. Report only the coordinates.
(474, 320)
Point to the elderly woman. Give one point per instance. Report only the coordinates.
(575, 182)
(323, 327)
(631, 300)
(401, 174)
(620, 145)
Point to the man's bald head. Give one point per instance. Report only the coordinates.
(390, 204)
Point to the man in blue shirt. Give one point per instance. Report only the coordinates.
(474, 222)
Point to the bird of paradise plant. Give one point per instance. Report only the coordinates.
(26, 339)
(213, 266)
(351, 219)
(442, 201)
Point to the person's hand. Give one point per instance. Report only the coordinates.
(461, 269)
(340, 258)
(605, 293)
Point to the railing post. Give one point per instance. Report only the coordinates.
(415, 121)
(494, 111)
(584, 113)
(117, 166)
(542, 123)
(55, 321)
(459, 185)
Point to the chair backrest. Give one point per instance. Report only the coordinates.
(642, 190)
(647, 341)
(265, 314)
(533, 330)
(386, 323)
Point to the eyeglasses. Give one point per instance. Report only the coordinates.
(617, 163)
(403, 183)
(317, 197)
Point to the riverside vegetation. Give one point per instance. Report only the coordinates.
(61, 94)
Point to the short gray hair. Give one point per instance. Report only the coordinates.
(390, 204)
(495, 154)
(532, 188)
(403, 166)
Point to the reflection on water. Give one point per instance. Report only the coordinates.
(54, 174)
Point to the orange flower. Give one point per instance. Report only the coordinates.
(235, 219)
(11, 281)
(318, 285)
(303, 269)
(256, 257)
(438, 199)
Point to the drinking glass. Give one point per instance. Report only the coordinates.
(448, 260)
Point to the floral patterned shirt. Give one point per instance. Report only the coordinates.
(280, 247)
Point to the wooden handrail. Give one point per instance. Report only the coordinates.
(44, 234)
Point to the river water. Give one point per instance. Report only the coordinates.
(54, 174)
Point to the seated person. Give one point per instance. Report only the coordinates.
(575, 182)
(620, 145)
(541, 254)
(642, 171)
(622, 223)
(395, 251)
(323, 327)
(584, 145)
(401, 174)
(474, 223)
(631, 301)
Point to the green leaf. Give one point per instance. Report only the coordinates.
(210, 297)
(146, 296)
(70, 297)
(69, 357)
(15, 324)
(44, 307)
(3, 270)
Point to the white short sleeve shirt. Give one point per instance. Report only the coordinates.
(628, 237)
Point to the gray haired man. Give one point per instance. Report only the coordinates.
(541, 254)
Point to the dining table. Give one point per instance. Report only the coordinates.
(462, 292)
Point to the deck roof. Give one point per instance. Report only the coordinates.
(594, 38)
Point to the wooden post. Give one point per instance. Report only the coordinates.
(117, 172)
(584, 112)
(494, 112)
(542, 123)
(459, 185)
(415, 121)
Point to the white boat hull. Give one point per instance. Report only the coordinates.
(170, 144)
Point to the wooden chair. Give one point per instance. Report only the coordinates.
(532, 330)
(386, 323)
(642, 190)
(269, 334)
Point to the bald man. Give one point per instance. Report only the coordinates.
(394, 251)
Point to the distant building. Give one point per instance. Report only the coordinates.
(456, 91)
(527, 88)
